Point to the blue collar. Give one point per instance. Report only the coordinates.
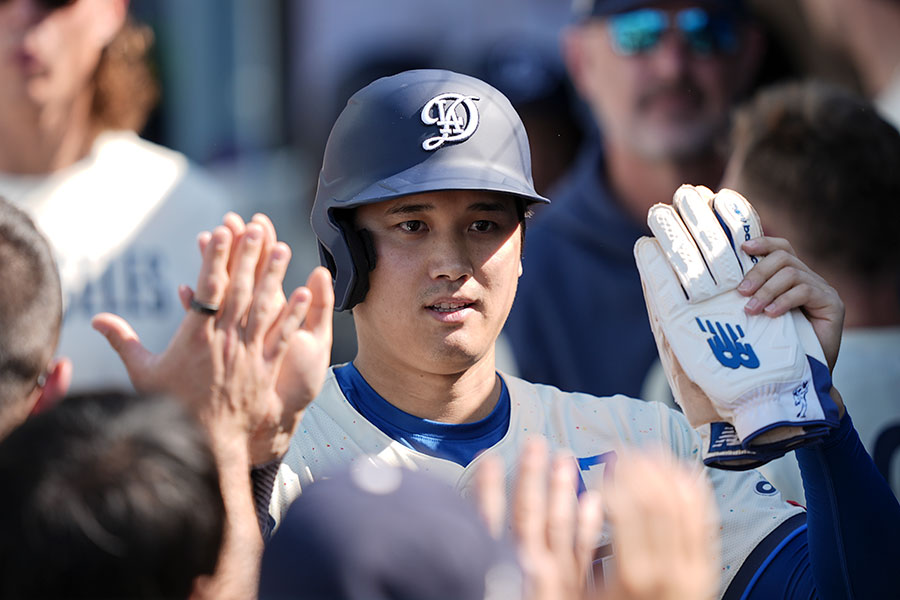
(457, 442)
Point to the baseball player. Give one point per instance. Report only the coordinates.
(420, 214)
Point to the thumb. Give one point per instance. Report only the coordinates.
(123, 339)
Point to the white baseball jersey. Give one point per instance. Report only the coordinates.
(333, 434)
(123, 224)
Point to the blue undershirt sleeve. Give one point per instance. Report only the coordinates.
(850, 544)
(853, 519)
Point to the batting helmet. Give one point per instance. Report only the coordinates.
(418, 131)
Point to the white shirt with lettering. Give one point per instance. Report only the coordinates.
(123, 223)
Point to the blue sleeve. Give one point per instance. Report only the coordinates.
(850, 544)
(853, 519)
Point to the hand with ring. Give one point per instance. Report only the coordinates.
(225, 359)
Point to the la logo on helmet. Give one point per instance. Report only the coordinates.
(455, 115)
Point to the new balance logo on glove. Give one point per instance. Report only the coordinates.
(749, 393)
(726, 347)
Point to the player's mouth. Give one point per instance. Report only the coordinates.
(450, 311)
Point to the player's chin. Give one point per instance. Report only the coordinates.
(456, 353)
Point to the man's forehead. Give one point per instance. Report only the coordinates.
(470, 200)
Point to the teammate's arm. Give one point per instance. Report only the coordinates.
(224, 362)
(853, 521)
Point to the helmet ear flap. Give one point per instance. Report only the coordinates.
(362, 253)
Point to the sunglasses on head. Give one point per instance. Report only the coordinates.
(706, 32)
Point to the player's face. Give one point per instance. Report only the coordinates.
(662, 100)
(447, 269)
(47, 54)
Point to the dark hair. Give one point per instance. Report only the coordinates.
(823, 155)
(126, 88)
(30, 308)
(108, 497)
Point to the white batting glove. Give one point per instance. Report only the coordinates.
(755, 372)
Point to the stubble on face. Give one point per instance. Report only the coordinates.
(664, 105)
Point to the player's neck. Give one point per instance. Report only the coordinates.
(43, 139)
(462, 397)
(639, 183)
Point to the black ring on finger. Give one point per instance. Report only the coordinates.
(204, 308)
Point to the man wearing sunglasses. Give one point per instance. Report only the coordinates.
(659, 78)
(119, 212)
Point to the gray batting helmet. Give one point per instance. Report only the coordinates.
(418, 131)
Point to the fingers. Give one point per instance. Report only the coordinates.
(489, 493)
(529, 506)
(556, 534)
(269, 241)
(213, 279)
(203, 240)
(236, 226)
(590, 524)
(125, 342)
(311, 308)
(185, 295)
(242, 276)
(781, 281)
(682, 252)
(288, 323)
(561, 506)
(546, 513)
(268, 298)
(693, 207)
(665, 541)
(320, 316)
(266, 223)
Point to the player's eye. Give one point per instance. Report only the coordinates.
(411, 226)
(483, 226)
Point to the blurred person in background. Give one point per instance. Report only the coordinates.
(821, 167)
(868, 32)
(659, 77)
(538, 87)
(120, 212)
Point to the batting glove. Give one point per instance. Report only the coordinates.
(755, 372)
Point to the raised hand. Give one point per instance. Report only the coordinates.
(664, 522)
(226, 358)
(725, 360)
(780, 281)
(555, 532)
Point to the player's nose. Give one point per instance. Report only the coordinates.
(672, 57)
(448, 257)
